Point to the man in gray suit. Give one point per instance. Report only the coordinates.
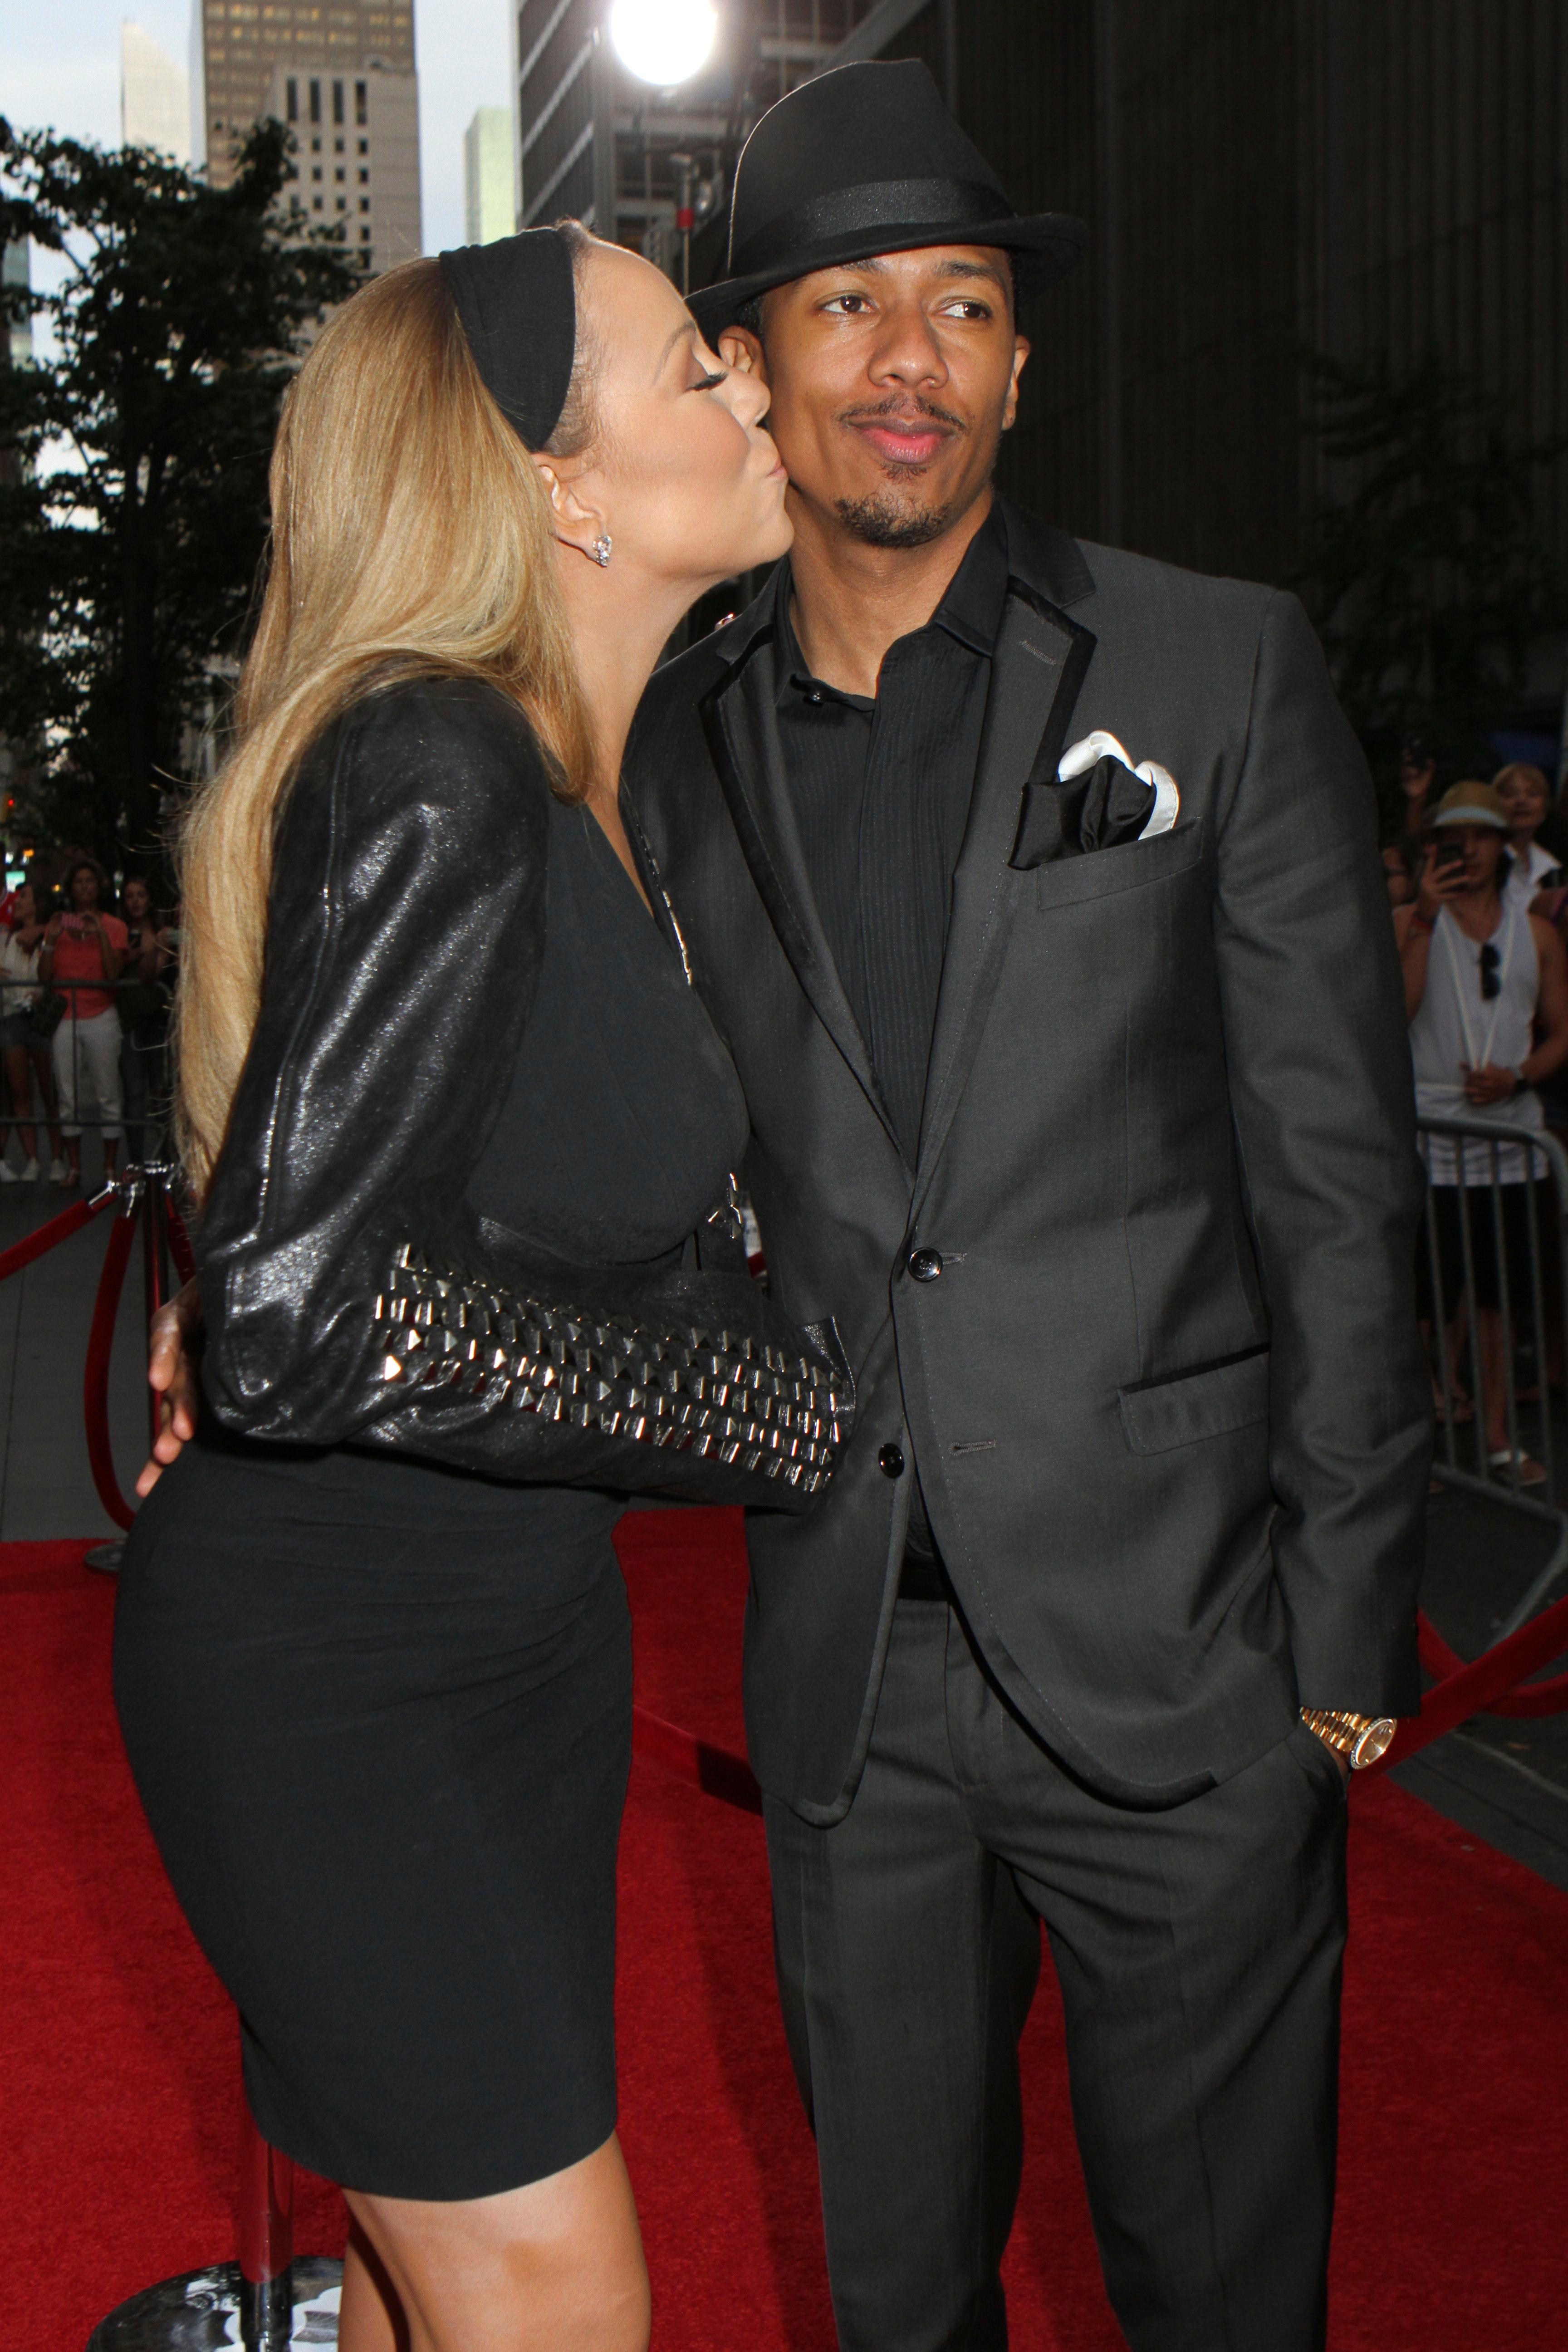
(1035, 888)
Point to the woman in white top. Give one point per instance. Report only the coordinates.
(26, 1055)
(1483, 978)
(1526, 798)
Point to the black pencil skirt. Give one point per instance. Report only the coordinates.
(380, 1718)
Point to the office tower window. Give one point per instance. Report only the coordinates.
(337, 102)
(293, 100)
(315, 101)
(361, 103)
(365, 146)
(365, 179)
(364, 203)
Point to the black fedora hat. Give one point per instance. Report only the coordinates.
(867, 160)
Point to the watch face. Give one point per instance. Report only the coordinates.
(1374, 1742)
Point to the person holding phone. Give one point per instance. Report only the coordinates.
(1486, 992)
(83, 954)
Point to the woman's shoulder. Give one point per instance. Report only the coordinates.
(441, 728)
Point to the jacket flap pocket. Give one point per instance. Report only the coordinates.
(1203, 1403)
(1096, 873)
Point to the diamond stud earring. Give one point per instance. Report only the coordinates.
(601, 549)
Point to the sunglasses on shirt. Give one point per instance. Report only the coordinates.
(1492, 981)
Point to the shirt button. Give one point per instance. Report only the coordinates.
(890, 1462)
(925, 1265)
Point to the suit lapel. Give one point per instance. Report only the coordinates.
(1036, 672)
(740, 719)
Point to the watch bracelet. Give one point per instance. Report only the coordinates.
(1360, 1738)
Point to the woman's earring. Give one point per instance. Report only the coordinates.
(601, 549)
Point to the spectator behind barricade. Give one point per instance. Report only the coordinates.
(1533, 834)
(1483, 977)
(1399, 880)
(25, 1039)
(142, 1005)
(86, 947)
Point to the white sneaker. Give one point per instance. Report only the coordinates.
(30, 1173)
(60, 1173)
(7, 1173)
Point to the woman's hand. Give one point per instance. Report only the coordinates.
(171, 1375)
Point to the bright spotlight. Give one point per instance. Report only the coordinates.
(663, 41)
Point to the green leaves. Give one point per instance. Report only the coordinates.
(1427, 577)
(133, 457)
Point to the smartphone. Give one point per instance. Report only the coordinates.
(1447, 855)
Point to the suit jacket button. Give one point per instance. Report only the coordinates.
(925, 1265)
(890, 1462)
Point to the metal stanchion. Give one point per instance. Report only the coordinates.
(144, 1193)
(266, 2300)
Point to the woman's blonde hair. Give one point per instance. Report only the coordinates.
(1529, 772)
(411, 536)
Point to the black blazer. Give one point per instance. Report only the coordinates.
(1166, 1394)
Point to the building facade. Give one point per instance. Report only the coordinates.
(154, 95)
(356, 155)
(237, 45)
(488, 201)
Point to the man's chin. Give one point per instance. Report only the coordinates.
(886, 518)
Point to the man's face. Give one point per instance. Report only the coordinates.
(893, 381)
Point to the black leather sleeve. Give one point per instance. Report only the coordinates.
(405, 935)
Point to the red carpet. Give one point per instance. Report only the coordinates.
(120, 2064)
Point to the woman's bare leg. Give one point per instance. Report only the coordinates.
(370, 2313)
(555, 2267)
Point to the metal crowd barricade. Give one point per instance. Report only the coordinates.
(1531, 1309)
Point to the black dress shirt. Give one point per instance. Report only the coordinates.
(881, 791)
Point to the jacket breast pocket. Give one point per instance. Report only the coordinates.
(1208, 1403)
(1098, 873)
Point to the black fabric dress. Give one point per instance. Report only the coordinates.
(380, 1712)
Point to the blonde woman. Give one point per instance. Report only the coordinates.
(378, 1705)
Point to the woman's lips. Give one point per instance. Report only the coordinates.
(905, 445)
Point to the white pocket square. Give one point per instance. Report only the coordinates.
(1082, 755)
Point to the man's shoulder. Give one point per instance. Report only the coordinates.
(1102, 585)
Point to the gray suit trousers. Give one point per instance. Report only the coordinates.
(1198, 1951)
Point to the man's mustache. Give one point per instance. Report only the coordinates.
(905, 410)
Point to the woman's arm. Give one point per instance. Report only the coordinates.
(407, 930)
(113, 957)
(1414, 926)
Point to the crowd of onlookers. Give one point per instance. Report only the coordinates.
(86, 985)
(1479, 881)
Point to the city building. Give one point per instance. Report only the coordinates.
(342, 77)
(489, 203)
(154, 95)
(14, 271)
(356, 154)
(644, 167)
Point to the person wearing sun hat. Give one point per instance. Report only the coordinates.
(1486, 992)
(1034, 888)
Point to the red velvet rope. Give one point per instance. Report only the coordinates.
(1440, 1661)
(50, 1235)
(95, 1379)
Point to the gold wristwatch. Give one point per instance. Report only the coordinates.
(1360, 1738)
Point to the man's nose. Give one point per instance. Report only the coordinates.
(908, 351)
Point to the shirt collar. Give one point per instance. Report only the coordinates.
(970, 611)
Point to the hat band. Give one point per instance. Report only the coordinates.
(892, 206)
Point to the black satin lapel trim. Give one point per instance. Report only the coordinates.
(1036, 675)
(1036, 832)
(764, 825)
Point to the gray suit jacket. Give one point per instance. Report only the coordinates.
(1166, 1395)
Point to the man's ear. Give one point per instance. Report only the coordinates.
(577, 522)
(1021, 348)
(740, 349)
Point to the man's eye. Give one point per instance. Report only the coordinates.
(967, 308)
(847, 305)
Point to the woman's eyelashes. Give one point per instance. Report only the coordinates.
(708, 382)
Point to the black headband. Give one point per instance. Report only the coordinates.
(519, 309)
